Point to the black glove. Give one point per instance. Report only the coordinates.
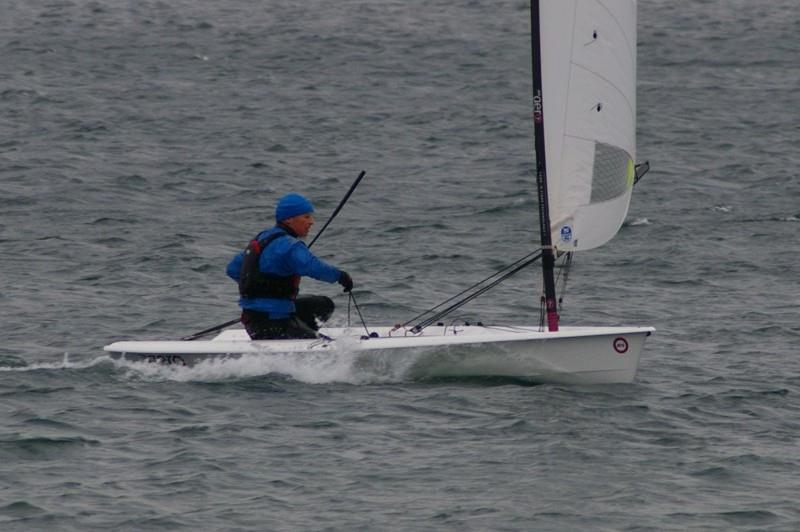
(346, 281)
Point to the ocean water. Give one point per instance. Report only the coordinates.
(142, 144)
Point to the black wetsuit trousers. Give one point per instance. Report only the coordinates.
(302, 324)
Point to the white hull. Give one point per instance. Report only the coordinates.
(573, 355)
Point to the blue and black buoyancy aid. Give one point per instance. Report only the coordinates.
(253, 283)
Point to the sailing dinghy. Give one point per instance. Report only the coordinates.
(584, 114)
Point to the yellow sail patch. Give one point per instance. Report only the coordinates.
(631, 173)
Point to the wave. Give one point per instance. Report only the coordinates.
(341, 365)
(65, 363)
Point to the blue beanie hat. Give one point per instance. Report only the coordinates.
(292, 204)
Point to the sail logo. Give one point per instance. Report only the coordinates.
(537, 107)
(566, 233)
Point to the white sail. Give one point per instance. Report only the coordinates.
(589, 95)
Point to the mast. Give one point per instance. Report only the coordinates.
(548, 258)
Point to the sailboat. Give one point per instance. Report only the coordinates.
(584, 118)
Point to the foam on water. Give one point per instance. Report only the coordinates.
(64, 364)
(638, 221)
(337, 365)
(334, 365)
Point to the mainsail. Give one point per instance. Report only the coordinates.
(589, 93)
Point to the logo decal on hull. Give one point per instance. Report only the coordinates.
(620, 345)
(166, 359)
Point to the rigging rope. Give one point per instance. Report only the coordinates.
(472, 292)
(563, 277)
(352, 299)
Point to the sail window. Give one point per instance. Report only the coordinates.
(610, 174)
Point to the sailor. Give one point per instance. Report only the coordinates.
(268, 272)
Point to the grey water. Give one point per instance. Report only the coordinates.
(143, 143)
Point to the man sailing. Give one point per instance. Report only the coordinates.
(268, 272)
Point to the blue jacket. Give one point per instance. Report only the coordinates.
(284, 256)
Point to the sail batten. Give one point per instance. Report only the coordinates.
(589, 90)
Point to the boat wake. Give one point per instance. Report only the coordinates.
(341, 364)
(64, 364)
(333, 366)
